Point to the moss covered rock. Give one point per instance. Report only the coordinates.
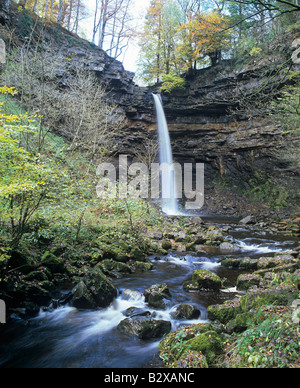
(224, 312)
(272, 262)
(190, 286)
(240, 323)
(207, 280)
(143, 266)
(156, 294)
(231, 262)
(145, 328)
(281, 295)
(166, 245)
(93, 291)
(245, 282)
(114, 269)
(53, 263)
(190, 344)
(186, 311)
(210, 344)
(21, 262)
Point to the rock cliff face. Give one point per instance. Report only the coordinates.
(202, 125)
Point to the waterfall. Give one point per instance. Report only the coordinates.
(168, 181)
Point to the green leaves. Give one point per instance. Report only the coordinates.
(24, 177)
(172, 82)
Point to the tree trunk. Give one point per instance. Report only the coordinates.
(70, 14)
(60, 12)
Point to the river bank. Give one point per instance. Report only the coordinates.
(57, 332)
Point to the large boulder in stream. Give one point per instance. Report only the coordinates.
(186, 311)
(156, 294)
(203, 279)
(93, 291)
(145, 328)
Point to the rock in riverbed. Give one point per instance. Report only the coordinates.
(93, 291)
(186, 311)
(156, 294)
(145, 328)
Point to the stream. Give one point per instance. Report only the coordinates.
(68, 338)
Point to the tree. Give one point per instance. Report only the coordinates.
(280, 6)
(159, 40)
(112, 24)
(262, 19)
(65, 12)
(90, 121)
(208, 35)
(24, 178)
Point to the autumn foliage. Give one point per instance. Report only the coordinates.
(207, 34)
(175, 40)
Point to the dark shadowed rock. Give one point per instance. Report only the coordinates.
(93, 291)
(145, 328)
(156, 294)
(186, 311)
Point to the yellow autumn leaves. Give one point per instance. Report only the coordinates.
(20, 171)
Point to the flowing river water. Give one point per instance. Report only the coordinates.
(69, 338)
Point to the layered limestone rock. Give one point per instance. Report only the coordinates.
(203, 123)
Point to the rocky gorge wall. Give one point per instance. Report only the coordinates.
(212, 122)
(204, 126)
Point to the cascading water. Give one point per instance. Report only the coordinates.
(168, 181)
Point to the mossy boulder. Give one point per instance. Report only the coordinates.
(200, 238)
(207, 280)
(186, 311)
(225, 312)
(113, 268)
(21, 263)
(231, 262)
(210, 344)
(53, 263)
(145, 328)
(37, 275)
(214, 236)
(156, 294)
(179, 346)
(93, 291)
(143, 266)
(190, 286)
(137, 254)
(248, 264)
(37, 293)
(240, 323)
(281, 295)
(272, 262)
(115, 252)
(243, 263)
(245, 282)
(166, 245)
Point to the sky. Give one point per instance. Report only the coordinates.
(130, 62)
(140, 7)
